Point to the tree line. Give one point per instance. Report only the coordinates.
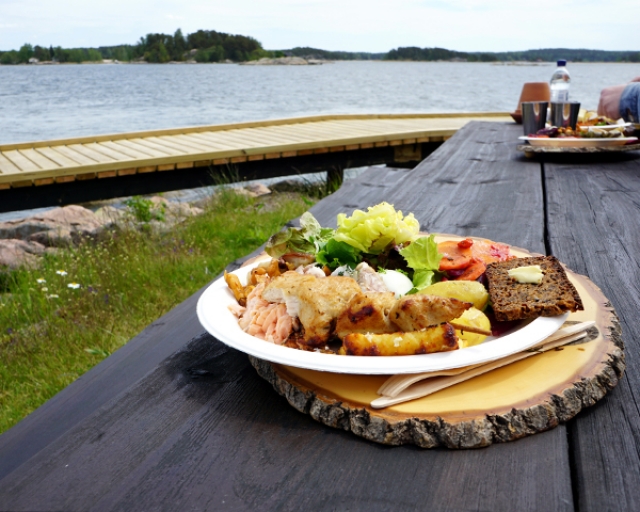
(213, 46)
(201, 46)
(542, 55)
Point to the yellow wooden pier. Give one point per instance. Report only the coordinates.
(44, 163)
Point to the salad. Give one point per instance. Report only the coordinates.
(388, 241)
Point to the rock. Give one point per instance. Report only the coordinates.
(17, 253)
(258, 189)
(110, 216)
(54, 228)
(281, 61)
(177, 212)
(22, 241)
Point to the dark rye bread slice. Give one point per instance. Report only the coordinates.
(517, 301)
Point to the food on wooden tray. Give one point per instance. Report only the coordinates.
(473, 326)
(585, 132)
(591, 118)
(376, 286)
(417, 312)
(367, 313)
(468, 291)
(316, 302)
(307, 312)
(512, 300)
(438, 338)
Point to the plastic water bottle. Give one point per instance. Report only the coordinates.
(559, 83)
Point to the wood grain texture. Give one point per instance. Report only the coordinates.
(594, 217)
(204, 432)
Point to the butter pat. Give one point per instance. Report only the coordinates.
(531, 274)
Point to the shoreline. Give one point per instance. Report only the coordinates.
(311, 62)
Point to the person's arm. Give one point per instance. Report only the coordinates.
(609, 105)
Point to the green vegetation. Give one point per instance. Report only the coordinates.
(212, 46)
(83, 303)
(143, 211)
(315, 53)
(203, 46)
(543, 55)
(58, 54)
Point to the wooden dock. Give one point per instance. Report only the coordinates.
(311, 140)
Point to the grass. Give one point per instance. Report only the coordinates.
(85, 302)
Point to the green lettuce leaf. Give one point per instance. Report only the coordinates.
(335, 254)
(308, 238)
(377, 228)
(422, 254)
(421, 279)
(423, 257)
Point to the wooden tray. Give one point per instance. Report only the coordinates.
(524, 398)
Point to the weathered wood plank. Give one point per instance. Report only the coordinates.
(594, 218)
(282, 133)
(58, 157)
(40, 160)
(106, 150)
(195, 145)
(252, 453)
(256, 137)
(221, 141)
(172, 143)
(80, 157)
(122, 147)
(160, 147)
(21, 161)
(7, 167)
(145, 149)
(91, 153)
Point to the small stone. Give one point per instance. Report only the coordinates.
(258, 189)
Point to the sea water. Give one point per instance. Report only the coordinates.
(42, 102)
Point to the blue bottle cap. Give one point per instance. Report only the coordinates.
(562, 63)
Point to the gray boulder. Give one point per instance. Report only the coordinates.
(54, 228)
(16, 253)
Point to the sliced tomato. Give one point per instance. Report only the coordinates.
(473, 271)
(454, 257)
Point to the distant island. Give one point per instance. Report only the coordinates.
(212, 46)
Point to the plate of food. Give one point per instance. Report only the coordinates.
(578, 142)
(377, 296)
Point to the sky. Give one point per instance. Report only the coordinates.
(349, 25)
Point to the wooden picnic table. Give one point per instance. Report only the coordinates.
(176, 420)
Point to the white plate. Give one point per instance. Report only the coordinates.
(578, 142)
(605, 127)
(215, 317)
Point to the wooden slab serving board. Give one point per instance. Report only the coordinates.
(509, 403)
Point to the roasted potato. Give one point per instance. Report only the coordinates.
(441, 338)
